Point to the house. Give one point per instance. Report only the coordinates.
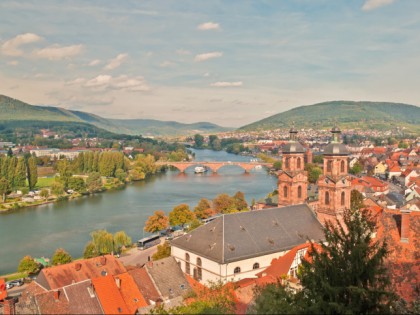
(239, 245)
(380, 168)
(368, 184)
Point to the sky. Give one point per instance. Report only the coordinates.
(229, 62)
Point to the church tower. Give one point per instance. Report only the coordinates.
(334, 186)
(292, 179)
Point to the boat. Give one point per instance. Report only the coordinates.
(200, 169)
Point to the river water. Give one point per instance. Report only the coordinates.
(39, 231)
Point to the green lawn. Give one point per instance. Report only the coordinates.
(44, 182)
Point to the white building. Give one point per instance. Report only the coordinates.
(239, 245)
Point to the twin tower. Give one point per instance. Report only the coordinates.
(334, 186)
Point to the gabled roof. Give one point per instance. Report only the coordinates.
(62, 275)
(109, 296)
(145, 284)
(238, 236)
(82, 299)
(168, 277)
(131, 293)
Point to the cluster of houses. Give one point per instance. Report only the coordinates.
(249, 248)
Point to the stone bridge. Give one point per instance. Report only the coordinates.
(214, 166)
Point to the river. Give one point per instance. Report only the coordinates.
(39, 231)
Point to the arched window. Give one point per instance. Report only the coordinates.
(327, 198)
(329, 166)
(299, 192)
(287, 163)
(298, 163)
(187, 263)
(342, 166)
(285, 191)
(237, 270)
(199, 270)
(343, 198)
(256, 266)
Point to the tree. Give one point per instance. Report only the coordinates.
(121, 175)
(163, 251)
(223, 203)
(121, 239)
(61, 257)
(277, 165)
(240, 202)
(356, 169)
(346, 274)
(66, 172)
(94, 182)
(32, 172)
(4, 188)
(20, 173)
(28, 265)
(313, 172)
(157, 222)
(201, 211)
(356, 200)
(44, 193)
(90, 250)
(180, 215)
(318, 159)
(103, 241)
(76, 184)
(57, 188)
(199, 140)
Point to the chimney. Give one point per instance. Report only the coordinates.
(9, 306)
(103, 260)
(118, 282)
(56, 295)
(78, 266)
(405, 225)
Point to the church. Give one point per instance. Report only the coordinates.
(240, 245)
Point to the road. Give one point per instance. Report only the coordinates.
(135, 257)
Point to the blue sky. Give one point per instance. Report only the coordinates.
(228, 62)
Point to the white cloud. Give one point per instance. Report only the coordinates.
(208, 26)
(76, 81)
(13, 63)
(207, 74)
(374, 4)
(100, 80)
(57, 52)
(122, 82)
(183, 52)
(11, 47)
(227, 84)
(116, 62)
(94, 62)
(207, 56)
(167, 64)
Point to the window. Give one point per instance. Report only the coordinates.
(237, 270)
(256, 266)
(327, 198)
(298, 163)
(329, 166)
(187, 263)
(343, 198)
(199, 270)
(343, 165)
(287, 163)
(299, 192)
(285, 192)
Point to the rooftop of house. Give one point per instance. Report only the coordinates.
(109, 295)
(145, 284)
(62, 275)
(130, 292)
(238, 236)
(82, 299)
(168, 277)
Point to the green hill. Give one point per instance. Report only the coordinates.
(347, 114)
(13, 110)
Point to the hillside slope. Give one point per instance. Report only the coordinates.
(348, 114)
(15, 110)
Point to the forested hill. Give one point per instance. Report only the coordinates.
(15, 110)
(347, 114)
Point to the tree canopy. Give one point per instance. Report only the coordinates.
(157, 222)
(61, 257)
(181, 215)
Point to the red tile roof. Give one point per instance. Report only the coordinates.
(109, 296)
(130, 292)
(145, 284)
(3, 291)
(62, 275)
